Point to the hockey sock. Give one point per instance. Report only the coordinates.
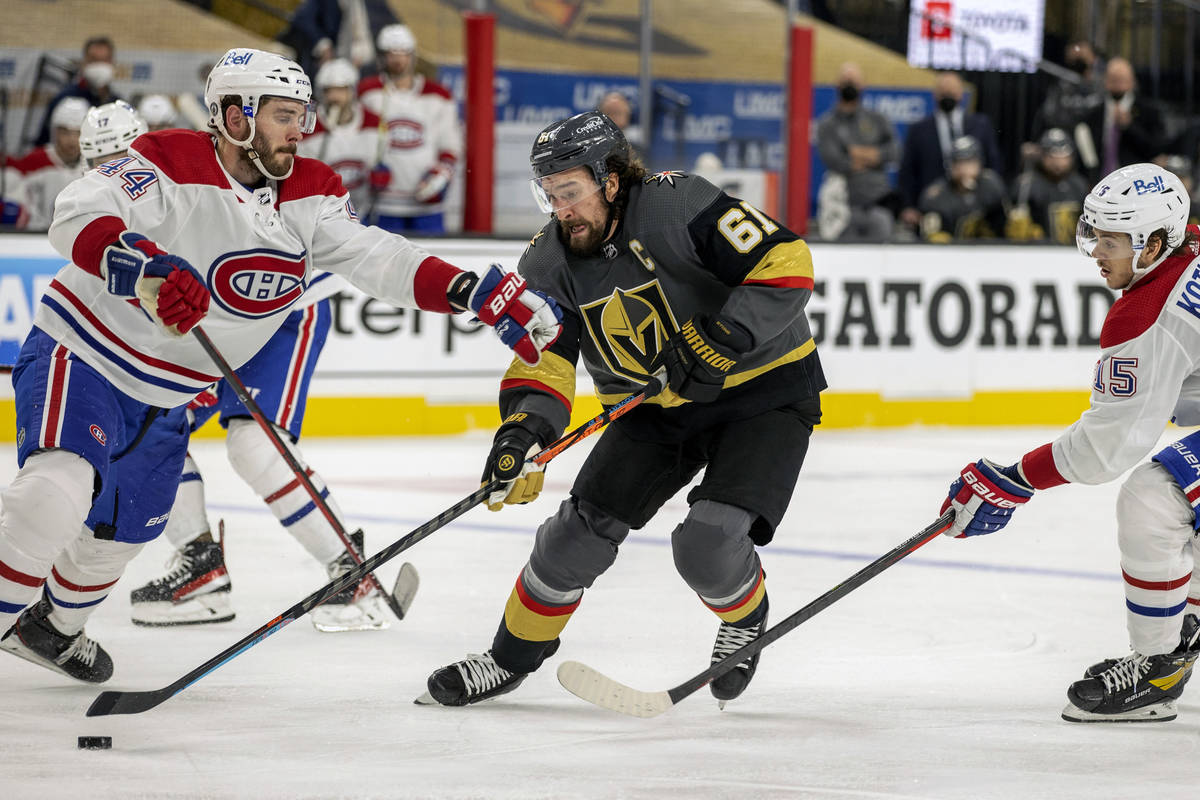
(534, 616)
(259, 464)
(83, 576)
(747, 608)
(40, 511)
(189, 519)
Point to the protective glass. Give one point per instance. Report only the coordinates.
(562, 190)
(1107, 245)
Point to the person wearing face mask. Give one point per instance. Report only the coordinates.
(93, 83)
(928, 145)
(1069, 100)
(1125, 129)
(857, 145)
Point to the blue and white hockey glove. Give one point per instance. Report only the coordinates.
(527, 321)
(168, 287)
(984, 497)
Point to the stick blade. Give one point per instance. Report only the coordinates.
(407, 583)
(601, 690)
(107, 703)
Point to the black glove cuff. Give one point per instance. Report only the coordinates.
(733, 336)
(459, 293)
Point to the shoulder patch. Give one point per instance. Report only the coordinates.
(668, 176)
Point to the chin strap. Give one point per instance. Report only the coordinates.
(252, 154)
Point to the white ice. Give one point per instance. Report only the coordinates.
(941, 678)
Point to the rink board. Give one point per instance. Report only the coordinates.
(955, 335)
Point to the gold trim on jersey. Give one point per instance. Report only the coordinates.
(554, 372)
(736, 379)
(781, 262)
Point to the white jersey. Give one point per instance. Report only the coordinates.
(350, 150)
(257, 251)
(1148, 374)
(422, 130)
(43, 176)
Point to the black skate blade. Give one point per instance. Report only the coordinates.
(111, 702)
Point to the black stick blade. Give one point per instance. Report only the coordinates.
(107, 703)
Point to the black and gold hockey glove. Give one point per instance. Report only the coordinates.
(515, 439)
(700, 356)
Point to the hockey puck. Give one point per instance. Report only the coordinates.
(95, 742)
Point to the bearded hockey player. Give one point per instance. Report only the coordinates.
(655, 273)
(1134, 224)
(227, 228)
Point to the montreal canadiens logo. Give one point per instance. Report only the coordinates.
(98, 434)
(352, 171)
(405, 133)
(257, 283)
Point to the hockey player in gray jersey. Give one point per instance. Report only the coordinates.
(655, 274)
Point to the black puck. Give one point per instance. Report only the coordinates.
(95, 742)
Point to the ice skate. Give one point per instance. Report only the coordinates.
(474, 679)
(34, 638)
(358, 607)
(729, 639)
(195, 590)
(1189, 644)
(1136, 688)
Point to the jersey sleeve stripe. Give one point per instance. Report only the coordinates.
(430, 284)
(786, 282)
(790, 261)
(1039, 468)
(508, 384)
(91, 241)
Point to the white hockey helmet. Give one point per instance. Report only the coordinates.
(1136, 200)
(396, 38)
(110, 129)
(70, 113)
(253, 75)
(337, 72)
(157, 110)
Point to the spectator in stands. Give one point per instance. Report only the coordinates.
(858, 146)
(46, 171)
(926, 156)
(1068, 102)
(1047, 199)
(93, 83)
(158, 111)
(616, 106)
(347, 135)
(419, 139)
(969, 203)
(322, 30)
(1124, 129)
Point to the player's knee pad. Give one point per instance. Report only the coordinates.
(712, 548)
(88, 558)
(44, 507)
(575, 545)
(1154, 519)
(255, 459)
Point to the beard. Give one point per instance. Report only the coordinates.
(588, 242)
(277, 161)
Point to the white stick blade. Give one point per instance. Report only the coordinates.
(597, 689)
(407, 583)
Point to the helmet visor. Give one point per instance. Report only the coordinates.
(307, 111)
(1096, 243)
(562, 190)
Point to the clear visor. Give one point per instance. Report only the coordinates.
(562, 190)
(307, 113)
(308, 121)
(1107, 245)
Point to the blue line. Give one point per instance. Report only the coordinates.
(803, 552)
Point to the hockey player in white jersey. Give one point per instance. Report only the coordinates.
(227, 228)
(108, 130)
(46, 171)
(1134, 224)
(346, 136)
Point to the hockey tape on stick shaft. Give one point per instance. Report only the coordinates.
(301, 474)
(118, 702)
(598, 689)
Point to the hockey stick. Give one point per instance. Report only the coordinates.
(406, 578)
(598, 689)
(115, 702)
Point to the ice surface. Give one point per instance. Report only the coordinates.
(941, 678)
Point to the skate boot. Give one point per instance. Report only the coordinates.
(1136, 688)
(729, 639)
(194, 591)
(34, 638)
(358, 607)
(1189, 644)
(475, 678)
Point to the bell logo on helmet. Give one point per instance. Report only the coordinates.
(235, 57)
(1149, 187)
(257, 283)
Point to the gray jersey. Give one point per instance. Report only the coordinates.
(683, 248)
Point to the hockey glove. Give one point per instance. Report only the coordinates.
(526, 321)
(432, 188)
(167, 286)
(507, 462)
(700, 355)
(984, 497)
(380, 177)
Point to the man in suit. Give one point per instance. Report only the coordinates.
(1125, 129)
(928, 144)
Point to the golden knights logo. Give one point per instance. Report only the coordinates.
(667, 176)
(630, 327)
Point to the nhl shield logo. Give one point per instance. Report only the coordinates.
(629, 328)
(257, 283)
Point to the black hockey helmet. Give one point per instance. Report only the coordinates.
(584, 140)
(966, 148)
(1056, 142)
